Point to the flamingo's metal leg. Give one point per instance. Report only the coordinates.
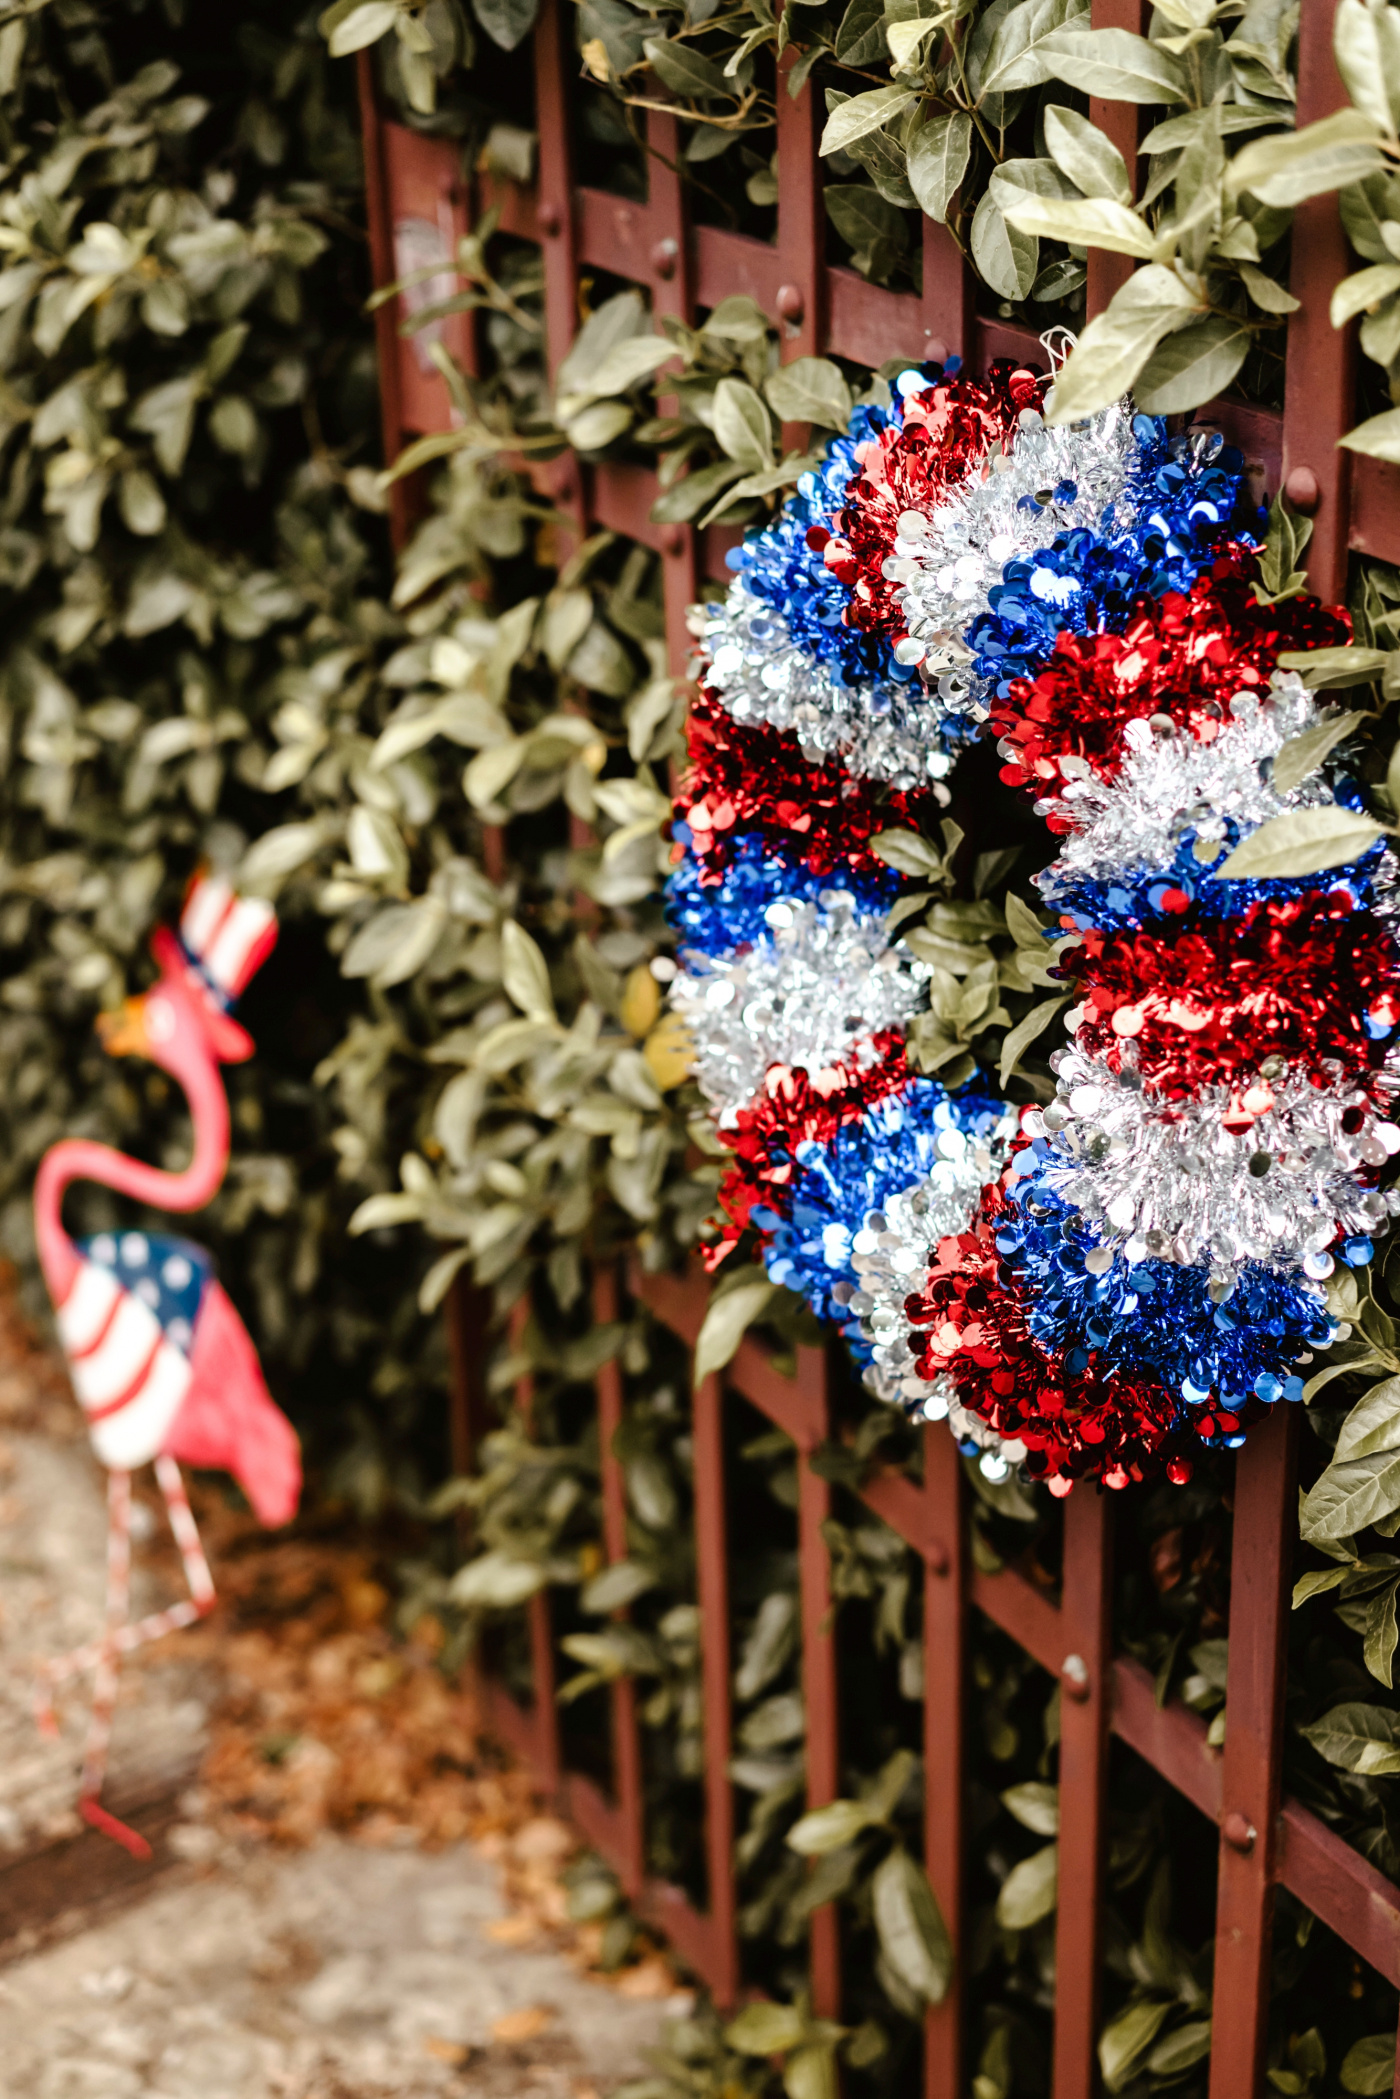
(104, 1692)
(121, 1638)
(182, 1523)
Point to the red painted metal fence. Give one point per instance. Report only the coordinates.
(420, 202)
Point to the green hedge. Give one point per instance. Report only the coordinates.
(208, 654)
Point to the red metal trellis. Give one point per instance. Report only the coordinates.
(418, 196)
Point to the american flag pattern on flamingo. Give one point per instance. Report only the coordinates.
(127, 1328)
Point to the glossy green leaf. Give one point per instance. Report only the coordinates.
(810, 390)
(1005, 255)
(1360, 1738)
(1115, 64)
(1086, 154)
(1301, 842)
(685, 70)
(1030, 1890)
(765, 2029)
(827, 1828)
(1288, 167)
(1368, 2067)
(938, 157)
(1192, 366)
(743, 425)
(1126, 2039)
(864, 113)
(912, 1934)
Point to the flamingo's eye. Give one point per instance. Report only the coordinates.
(160, 1020)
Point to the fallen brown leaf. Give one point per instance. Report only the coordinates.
(650, 1978)
(524, 2025)
(455, 2052)
(513, 1931)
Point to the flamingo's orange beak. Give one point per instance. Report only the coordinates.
(123, 1034)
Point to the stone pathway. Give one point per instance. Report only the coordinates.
(337, 1973)
(254, 1968)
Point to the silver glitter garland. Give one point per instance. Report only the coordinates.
(824, 981)
(949, 561)
(1170, 782)
(1167, 1179)
(879, 730)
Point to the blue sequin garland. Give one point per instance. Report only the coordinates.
(1138, 902)
(778, 565)
(1154, 1319)
(1158, 539)
(893, 1147)
(716, 918)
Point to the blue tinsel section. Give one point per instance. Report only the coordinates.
(777, 564)
(891, 1148)
(1135, 902)
(719, 917)
(1158, 539)
(1155, 1319)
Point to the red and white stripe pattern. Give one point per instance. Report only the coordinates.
(227, 937)
(130, 1378)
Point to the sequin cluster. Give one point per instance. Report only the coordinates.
(1148, 1272)
(809, 736)
(1093, 1288)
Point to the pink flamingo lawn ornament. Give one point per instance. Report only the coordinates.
(160, 1360)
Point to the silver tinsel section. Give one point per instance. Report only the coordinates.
(1169, 782)
(948, 562)
(823, 983)
(1168, 1180)
(878, 729)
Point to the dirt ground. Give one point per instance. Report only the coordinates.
(357, 1897)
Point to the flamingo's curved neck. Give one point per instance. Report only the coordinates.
(76, 1159)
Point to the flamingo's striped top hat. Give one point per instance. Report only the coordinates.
(226, 937)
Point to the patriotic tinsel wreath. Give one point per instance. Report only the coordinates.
(1092, 1287)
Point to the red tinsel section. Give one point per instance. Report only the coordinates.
(1295, 979)
(1185, 656)
(797, 1107)
(749, 779)
(1073, 1428)
(947, 432)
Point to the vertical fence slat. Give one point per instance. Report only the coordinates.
(947, 308)
(627, 1747)
(673, 292)
(712, 1587)
(945, 1628)
(381, 263)
(1119, 122)
(468, 1311)
(801, 221)
(556, 187)
(544, 1712)
(819, 1692)
(557, 221)
(1319, 378)
(1261, 1568)
(1084, 1696)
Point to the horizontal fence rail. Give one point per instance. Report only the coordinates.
(420, 203)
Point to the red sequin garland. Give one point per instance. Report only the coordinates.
(798, 1107)
(947, 432)
(746, 779)
(1072, 1426)
(1294, 979)
(1185, 656)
